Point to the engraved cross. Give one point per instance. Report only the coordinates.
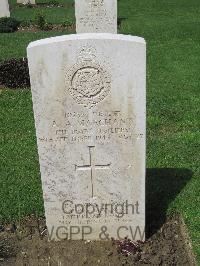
(92, 167)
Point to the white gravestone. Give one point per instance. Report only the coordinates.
(96, 16)
(4, 9)
(26, 2)
(88, 94)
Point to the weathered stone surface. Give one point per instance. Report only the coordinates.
(4, 9)
(88, 95)
(96, 16)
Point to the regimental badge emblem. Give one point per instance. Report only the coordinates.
(87, 81)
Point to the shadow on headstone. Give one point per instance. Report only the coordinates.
(162, 187)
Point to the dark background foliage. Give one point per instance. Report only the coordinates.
(8, 25)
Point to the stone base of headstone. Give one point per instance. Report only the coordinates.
(26, 2)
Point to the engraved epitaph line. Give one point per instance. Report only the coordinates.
(92, 167)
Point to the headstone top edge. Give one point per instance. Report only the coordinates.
(84, 36)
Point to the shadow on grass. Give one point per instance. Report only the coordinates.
(119, 21)
(162, 187)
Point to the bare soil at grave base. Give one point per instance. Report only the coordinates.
(52, 27)
(47, 5)
(28, 245)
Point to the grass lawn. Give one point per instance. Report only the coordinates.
(53, 15)
(172, 31)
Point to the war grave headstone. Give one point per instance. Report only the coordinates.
(4, 9)
(89, 98)
(96, 16)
